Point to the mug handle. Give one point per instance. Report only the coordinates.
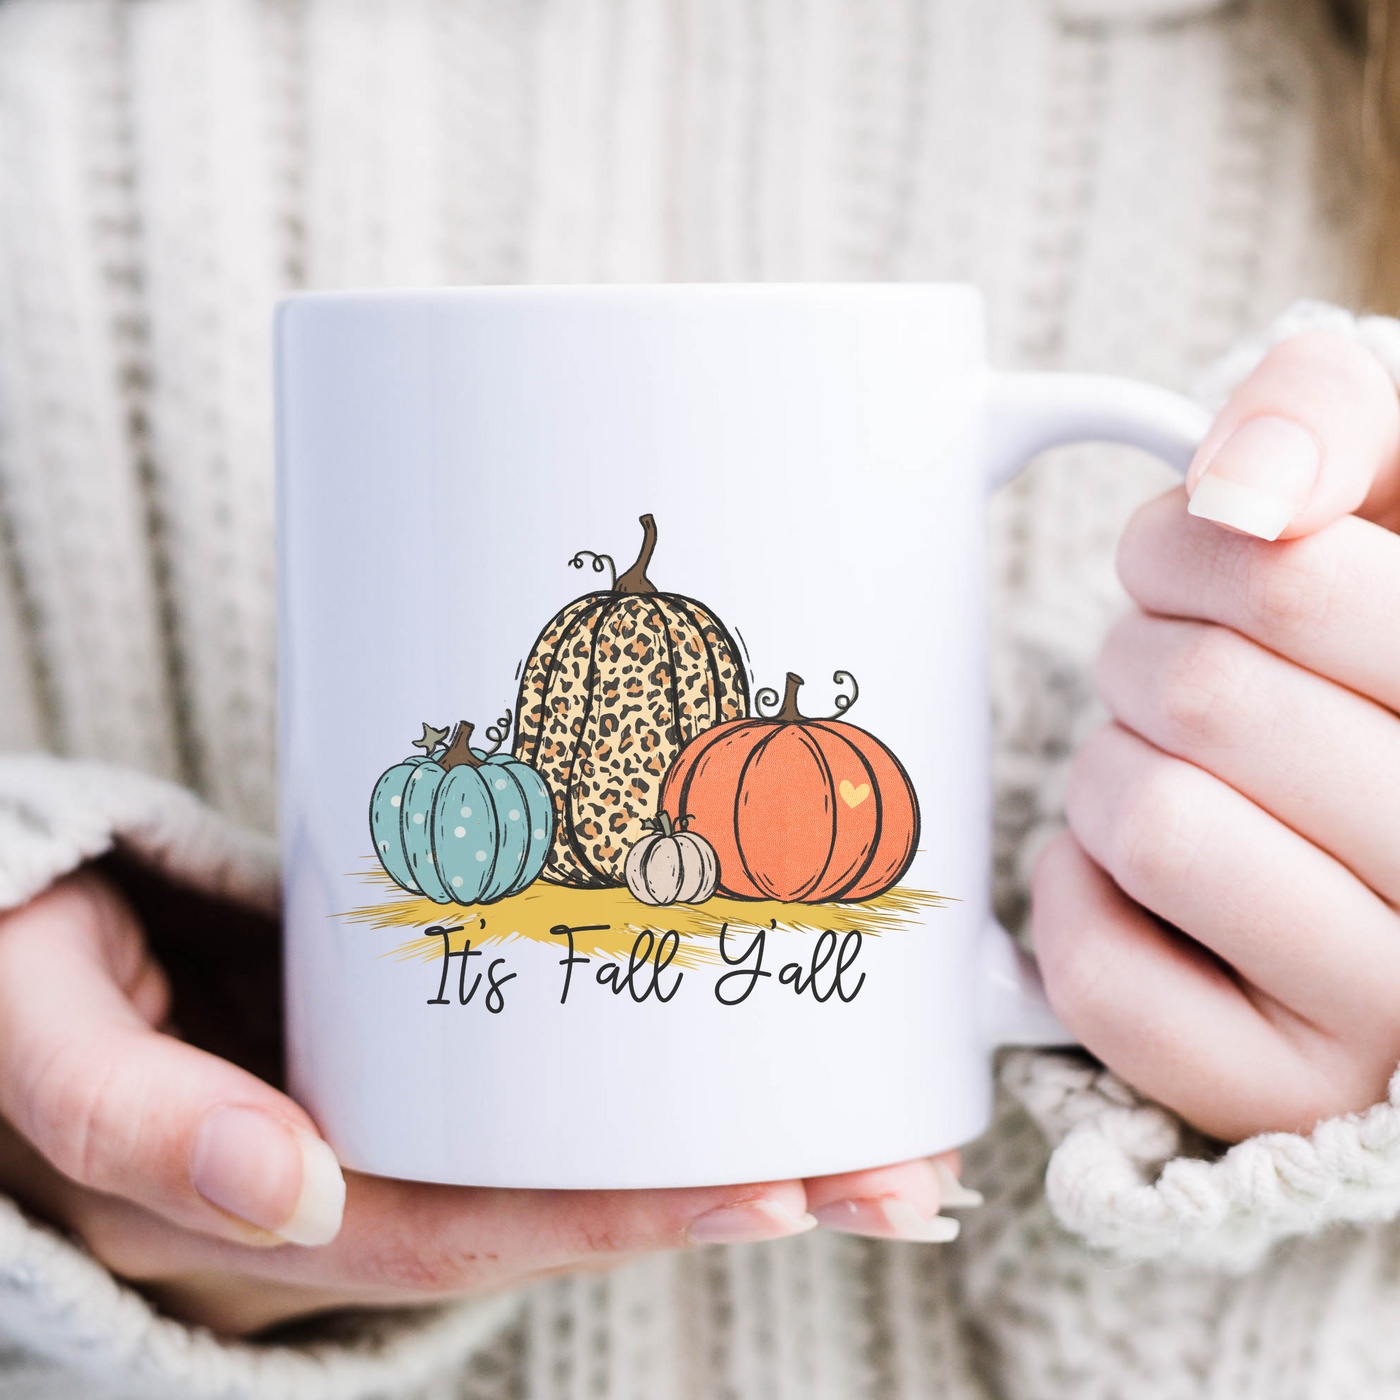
(1025, 414)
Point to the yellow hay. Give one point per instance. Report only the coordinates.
(533, 912)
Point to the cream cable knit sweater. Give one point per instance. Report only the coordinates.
(1137, 185)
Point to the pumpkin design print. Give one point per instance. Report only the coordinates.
(800, 810)
(671, 865)
(639, 766)
(615, 686)
(461, 825)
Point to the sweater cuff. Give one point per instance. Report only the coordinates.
(57, 813)
(54, 1297)
(1379, 334)
(1131, 1177)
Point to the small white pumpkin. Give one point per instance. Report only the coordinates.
(671, 867)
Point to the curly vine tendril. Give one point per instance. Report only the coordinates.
(768, 704)
(844, 702)
(497, 732)
(598, 562)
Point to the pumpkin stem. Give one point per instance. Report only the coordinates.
(459, 752)
(790, 713)
(663, 824)
(635, 580)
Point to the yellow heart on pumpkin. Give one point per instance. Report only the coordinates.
(852, 795)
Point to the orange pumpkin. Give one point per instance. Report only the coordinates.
(800, 810)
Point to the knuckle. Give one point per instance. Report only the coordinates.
(1079, 981)
(1287, 600)
(614, 1225)
(419, 1267)
(151, 995)
(1140, 542)
(1151, 846)
(1204, 694)
(1085, 796)
(1075, 964)
(1339, 366)
(607, 1224)
(74, 1119)
(1055, 852)
(603, 1237)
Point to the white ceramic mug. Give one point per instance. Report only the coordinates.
(507, 968)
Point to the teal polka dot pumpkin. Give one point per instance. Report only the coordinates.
(461, 825)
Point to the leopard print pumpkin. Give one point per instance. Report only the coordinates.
(615, 687)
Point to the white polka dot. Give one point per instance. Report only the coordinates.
(500, 784)
(539, 834)
(461, 831)
(466, 811)
(456, 882)
(481, 855)
(418, 819)
(383, 845)
(394, 801)
(514, 815)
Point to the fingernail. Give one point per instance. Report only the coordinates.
(886, 1218)
(270, 1174)
(1259, 477)
(951, 1191)
(745, 1222)
(321, 1201)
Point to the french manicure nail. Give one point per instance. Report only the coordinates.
(951, 1191)
(1259, 477)
(321, 1202)
(269, 1173)
(745, 1222)
(886, 1218)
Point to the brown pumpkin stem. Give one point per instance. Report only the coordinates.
(459, 752)
(790, 713)
(635, 580)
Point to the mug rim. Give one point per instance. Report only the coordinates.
(966, 292)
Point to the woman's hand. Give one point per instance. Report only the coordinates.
(189, 1175)
(1220, 924)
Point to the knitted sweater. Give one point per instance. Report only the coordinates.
(1137, 185)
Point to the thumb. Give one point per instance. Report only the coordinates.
(120, 1108)
(1311, 435)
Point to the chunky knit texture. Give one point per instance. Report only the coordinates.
(1137, 185)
